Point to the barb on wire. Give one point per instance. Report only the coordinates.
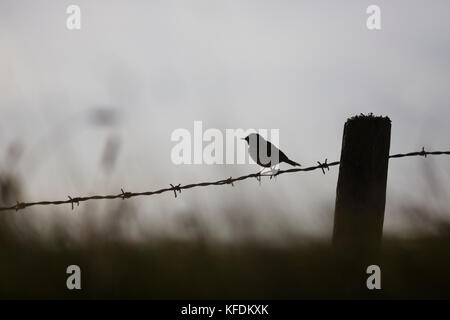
(324, 165)
(125, 195)
(422, 153)
(19, 206)
(177, 188)
(74, 200)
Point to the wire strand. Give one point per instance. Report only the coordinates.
(176, 189)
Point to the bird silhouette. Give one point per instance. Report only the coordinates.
(264, 153)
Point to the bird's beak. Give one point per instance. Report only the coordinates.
(242, 138)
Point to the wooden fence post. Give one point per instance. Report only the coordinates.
(361, 187)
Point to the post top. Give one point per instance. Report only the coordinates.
(370, 116)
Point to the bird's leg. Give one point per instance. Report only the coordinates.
(273, 172)
(258, 177)
(262, 173)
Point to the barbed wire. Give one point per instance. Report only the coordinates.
(176, 189)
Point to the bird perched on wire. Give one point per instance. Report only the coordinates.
(265, 153)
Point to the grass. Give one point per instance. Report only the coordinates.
(174, 269)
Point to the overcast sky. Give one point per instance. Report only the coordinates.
(155, 66)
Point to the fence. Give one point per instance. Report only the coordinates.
(361, 188)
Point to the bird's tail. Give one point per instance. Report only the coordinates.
(292, 163)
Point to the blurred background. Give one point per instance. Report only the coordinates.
(91, 111)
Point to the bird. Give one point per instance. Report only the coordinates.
(264, 153)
